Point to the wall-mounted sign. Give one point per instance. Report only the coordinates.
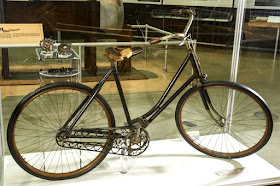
(21, 34)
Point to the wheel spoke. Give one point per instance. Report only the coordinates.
(33, 135)
(236, 135)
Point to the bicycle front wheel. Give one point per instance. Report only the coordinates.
(36, 121)
(238, 122)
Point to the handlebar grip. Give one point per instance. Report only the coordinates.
(155, 41)
(183, 11)
(191, 11)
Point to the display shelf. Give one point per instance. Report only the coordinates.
(55, 56)
(66, 74)
(165, 162)
(55, 67)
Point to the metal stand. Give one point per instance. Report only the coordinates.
(146, 40)
(276, 43)
(165, 58)
(68, 69)
(124, 161)
(235, 59)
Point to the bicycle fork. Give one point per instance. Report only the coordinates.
(221, 121)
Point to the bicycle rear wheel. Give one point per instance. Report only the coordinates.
(34, 125)
(241, 122)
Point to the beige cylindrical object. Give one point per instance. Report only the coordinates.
(111, 15)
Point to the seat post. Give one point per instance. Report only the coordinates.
(117, 80)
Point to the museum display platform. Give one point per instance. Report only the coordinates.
(166, 162)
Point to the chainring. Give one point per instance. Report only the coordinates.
(47, 45)
(137, 143)
(64, 49)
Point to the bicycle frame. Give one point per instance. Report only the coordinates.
(158, 108)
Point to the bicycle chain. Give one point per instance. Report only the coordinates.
(118, 139)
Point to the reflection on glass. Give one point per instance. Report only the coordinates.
(267, 3)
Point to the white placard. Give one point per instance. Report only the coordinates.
(273, 19)
(21, 33)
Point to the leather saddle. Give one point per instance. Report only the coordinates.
(117, 55)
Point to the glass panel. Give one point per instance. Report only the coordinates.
(93, 26)
(259, 63)
(2, 146)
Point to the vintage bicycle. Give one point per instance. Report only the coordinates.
(63, 130)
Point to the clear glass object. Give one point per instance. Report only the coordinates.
(124, 164)
(2, 146)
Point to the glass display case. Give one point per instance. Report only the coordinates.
(236, 40)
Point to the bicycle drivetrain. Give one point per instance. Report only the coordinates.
(128, 141)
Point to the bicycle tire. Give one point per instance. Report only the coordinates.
(239, 134)
(35, 122)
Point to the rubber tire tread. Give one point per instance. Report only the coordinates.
(34, 93)
(245, 89)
